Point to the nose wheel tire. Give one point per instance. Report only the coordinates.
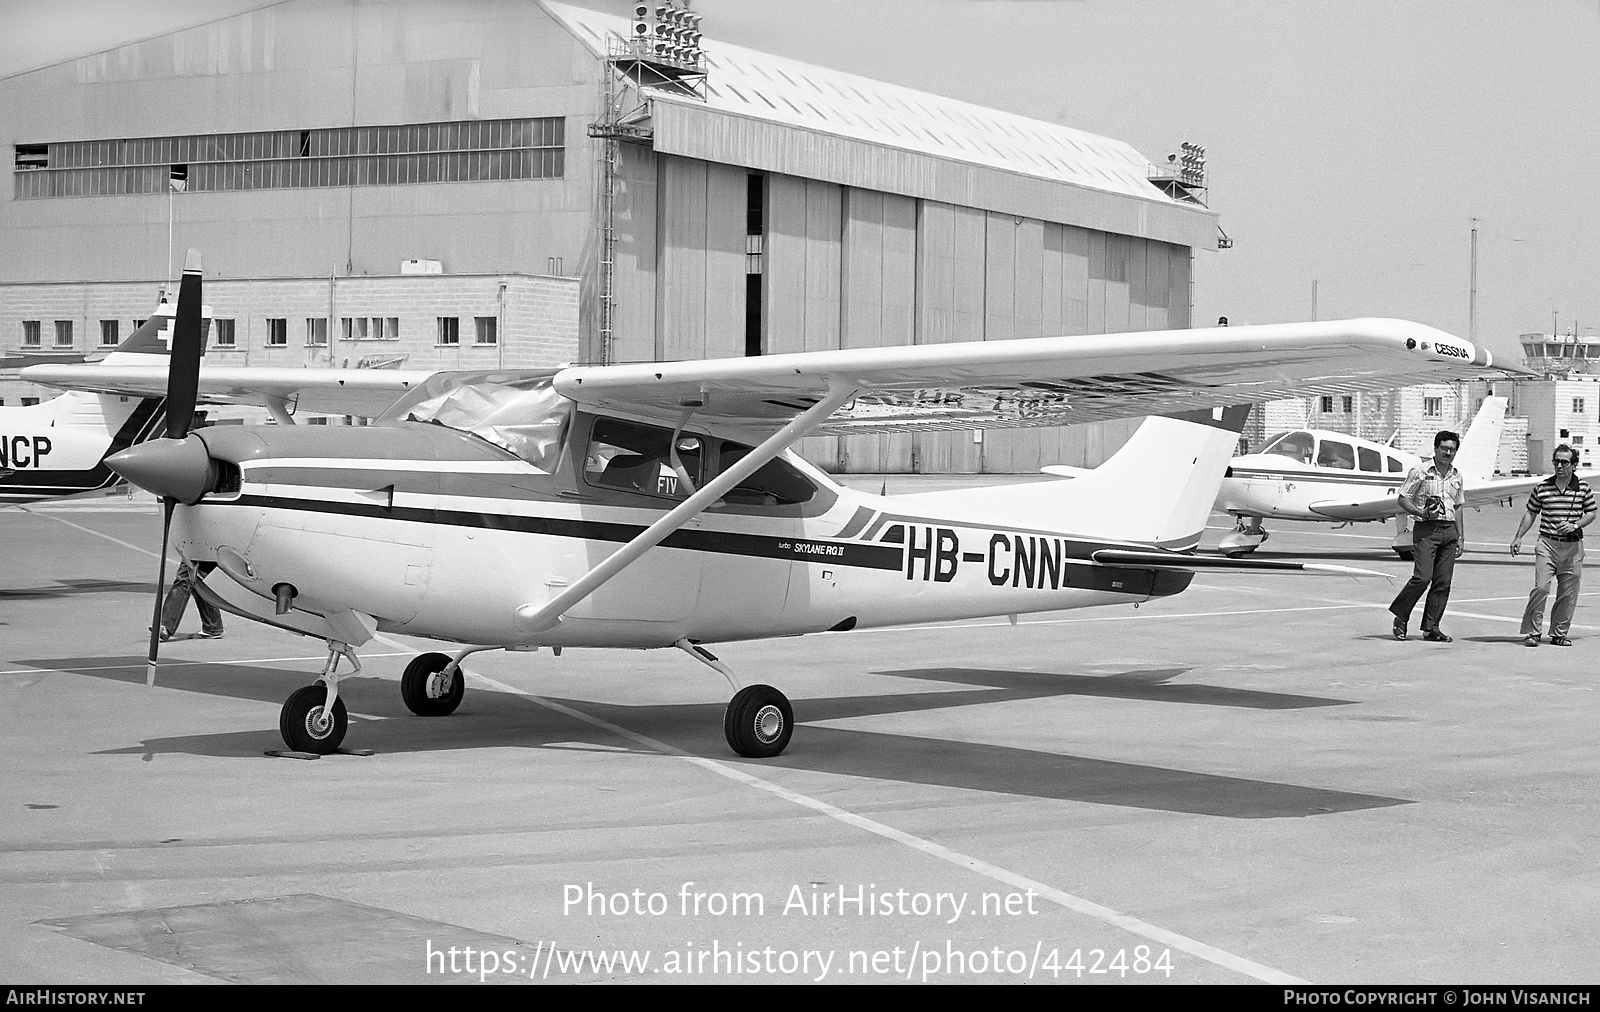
(758, 722)
(305, 724)
(426, 691)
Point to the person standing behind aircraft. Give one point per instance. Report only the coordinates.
(1432, 492)
(1565, 506)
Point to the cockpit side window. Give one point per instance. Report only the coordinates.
(775, 483)
(1295, 445)
(1333, 453)
(1371, 460)
(633, 457)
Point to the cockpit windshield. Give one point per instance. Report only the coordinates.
(1296, 445)
(519, 411)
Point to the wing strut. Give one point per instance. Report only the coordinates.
(534, 618)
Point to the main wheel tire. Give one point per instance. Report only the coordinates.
(304, 726)
(758, 722)
(424, 692)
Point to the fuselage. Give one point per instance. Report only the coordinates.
(435, 532)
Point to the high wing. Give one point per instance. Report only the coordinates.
(364, 392)
(1036, 381)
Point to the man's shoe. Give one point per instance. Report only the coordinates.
(1530, 640)
(1435, 636)
(1560, 641)
(203, 635)
(1399, 628)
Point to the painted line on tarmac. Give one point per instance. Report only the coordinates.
(86, 530)
(1077, 904)
(185, 664)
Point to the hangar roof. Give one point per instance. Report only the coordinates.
(770, 112)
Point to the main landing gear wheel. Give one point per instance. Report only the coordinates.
(305, 724)
(427, 693)
(758, 722)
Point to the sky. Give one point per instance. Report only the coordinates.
(1352, 145)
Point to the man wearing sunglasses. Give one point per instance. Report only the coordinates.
(1564, 505)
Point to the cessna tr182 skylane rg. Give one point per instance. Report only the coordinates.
(58, 448)
(1318, 475)
(656, 505)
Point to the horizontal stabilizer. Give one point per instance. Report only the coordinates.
(1193, 563)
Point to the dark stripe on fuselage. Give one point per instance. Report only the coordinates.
(720, 542)
(1346, 478)
(1024, 566)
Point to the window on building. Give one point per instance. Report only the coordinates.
(30, 333)
(465, 150)
(449, 330)
(1349, 405)
(1327, 404)
(225, 334)
(1432, 407)
(486, 332)
(63, 333)
(1564, 434)
(1577, 440)
(277, 332)
(391, 327)
(354, 328)
(1577, 405)
(317, 331)
(108, 333)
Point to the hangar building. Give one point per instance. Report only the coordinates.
(507, 183)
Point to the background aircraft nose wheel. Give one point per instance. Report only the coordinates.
(758, 722)
(424, 689)
(305, 725)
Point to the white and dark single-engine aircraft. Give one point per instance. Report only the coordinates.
(658, 505)
(1319, 475)
(58, 448)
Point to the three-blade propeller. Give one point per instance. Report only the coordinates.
(183, 383)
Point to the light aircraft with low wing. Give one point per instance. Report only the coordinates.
(1320, 475)
(658, 505)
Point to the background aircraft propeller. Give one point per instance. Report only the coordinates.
(183, 383)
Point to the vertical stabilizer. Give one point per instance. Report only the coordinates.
(1480, 445)
(154, 337)
(1157, 490)
(1160, 487)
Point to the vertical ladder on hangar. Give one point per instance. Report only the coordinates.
(662, 55)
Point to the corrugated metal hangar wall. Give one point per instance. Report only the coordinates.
(860, 242)
(843, 267)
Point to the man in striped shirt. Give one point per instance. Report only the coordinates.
(1564, 506)
(1432, 492)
